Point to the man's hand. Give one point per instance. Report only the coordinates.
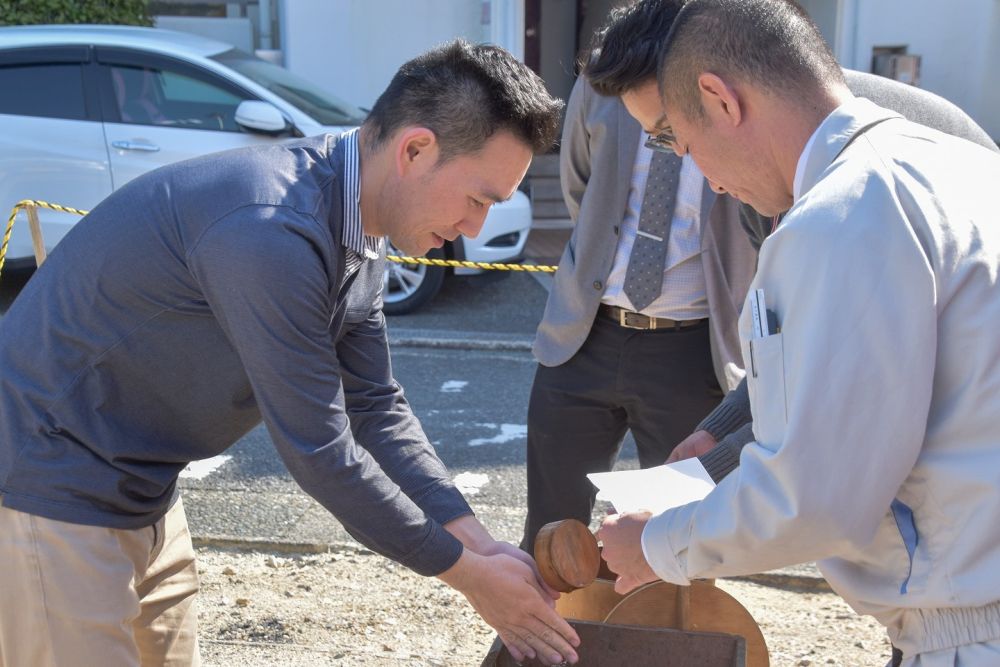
(509, 549)
(474, 536)
(504, 591)
(696, 444)
(621, 539)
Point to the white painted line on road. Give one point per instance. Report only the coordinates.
(454, 386)
(508, 432)
(469, 483)
(202, 469)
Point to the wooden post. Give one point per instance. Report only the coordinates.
(36, 233)
(684, 607)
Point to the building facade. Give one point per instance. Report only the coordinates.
(352, 47)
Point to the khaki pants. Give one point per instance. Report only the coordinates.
(81, 596)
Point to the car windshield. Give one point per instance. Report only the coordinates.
(318, 104)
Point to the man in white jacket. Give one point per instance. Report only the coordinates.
(875, 384)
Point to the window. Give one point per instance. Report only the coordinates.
(316, 103)
(147, 96)
(45, 90)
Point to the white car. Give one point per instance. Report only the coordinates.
(85, 109)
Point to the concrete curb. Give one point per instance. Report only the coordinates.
(229, 542)
(460, 340)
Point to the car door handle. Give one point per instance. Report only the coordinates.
(135, 146)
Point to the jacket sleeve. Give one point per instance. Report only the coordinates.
(756, 226)
(725, 456)
(732, 413)
(840, 396)
(277, 318)
(384, 424)
(574, 153)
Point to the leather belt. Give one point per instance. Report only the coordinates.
(633, 320)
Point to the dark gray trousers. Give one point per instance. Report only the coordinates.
(659, 384)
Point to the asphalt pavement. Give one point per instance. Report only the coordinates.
(11, 283)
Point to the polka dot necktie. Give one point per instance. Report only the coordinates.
(644, 277)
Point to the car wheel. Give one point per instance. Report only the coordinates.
(409, 286)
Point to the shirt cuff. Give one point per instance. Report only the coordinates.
(444, 504)
(659, 548)
(438, 553)
(732, 413)
(725, 456)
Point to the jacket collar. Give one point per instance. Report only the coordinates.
(840, 128)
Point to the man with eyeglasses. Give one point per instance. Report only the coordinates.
(639, 332)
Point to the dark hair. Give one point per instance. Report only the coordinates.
(465, 93)
(626, 50)
(769, 43)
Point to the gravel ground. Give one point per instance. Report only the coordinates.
(355, 608)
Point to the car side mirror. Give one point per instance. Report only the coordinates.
(258, 116)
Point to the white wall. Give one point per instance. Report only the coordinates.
(824, 13)
(353, 47)
(235, 31)
(958, 41)
(989, 104)
(558, 46)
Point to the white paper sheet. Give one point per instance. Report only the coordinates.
(654, 489)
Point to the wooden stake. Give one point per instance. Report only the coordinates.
(36, 233)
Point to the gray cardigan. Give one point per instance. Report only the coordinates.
(191, 303)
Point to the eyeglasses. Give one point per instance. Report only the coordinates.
(663, 141)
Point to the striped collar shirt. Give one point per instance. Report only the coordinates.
(358, 245)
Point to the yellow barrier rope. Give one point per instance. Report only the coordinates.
(471, 265)
(25, 203)
(6, 235)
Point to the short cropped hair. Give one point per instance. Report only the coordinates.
(625, 53)
(465, 93)
(772, 44)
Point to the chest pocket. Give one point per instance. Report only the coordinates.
(765, 365)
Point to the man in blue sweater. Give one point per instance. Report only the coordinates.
(210, 294)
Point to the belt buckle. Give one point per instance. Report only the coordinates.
(623, 320)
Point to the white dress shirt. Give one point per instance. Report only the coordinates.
(683, 295)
